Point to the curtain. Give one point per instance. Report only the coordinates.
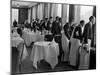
(54, 10)
(59, 10)
(77, 13)
(34, 12)
(29, 15)
(40, 11)
(65, 13)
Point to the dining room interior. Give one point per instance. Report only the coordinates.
(52, 37)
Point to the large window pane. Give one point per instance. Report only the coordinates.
(14, 15)
(86, 12)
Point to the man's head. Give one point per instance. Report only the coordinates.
(92, 19)
(19, 31)
(60, 19)
(51, 19)
(57, 18)
(82, 22)
(46, 19)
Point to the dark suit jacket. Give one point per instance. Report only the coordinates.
(79, 31)
(56, 28)
(93, 44)
(88, 32)
(15, 24)
(44, 26)
(66, 30)
(48, 26)
(71, 30)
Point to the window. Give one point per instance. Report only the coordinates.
(86, 12)
(14, 15)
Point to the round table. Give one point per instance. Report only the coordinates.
(48, 51)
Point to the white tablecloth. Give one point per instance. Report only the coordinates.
(15, 41)
(84, 59)
(30, 37)
(74, 50)
(84, 56)
(42, 50)
(65, 47)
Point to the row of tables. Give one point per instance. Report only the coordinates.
(41, 49)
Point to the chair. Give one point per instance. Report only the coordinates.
(48, 38)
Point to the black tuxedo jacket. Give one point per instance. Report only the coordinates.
(44, 26)
(78, 33)
(66, 30)
(56, 28)
(88, 32)
(48, 26)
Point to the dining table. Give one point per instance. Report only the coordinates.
(31, 36)
(47, 51)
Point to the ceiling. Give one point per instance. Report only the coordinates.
(16, 3)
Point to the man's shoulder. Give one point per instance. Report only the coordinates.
(88, 24)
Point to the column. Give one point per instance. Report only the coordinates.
(94, 11)
(50, 9)
(71, 12)
(64, 13)
(36, 11)
(45, 10)
(77, 13)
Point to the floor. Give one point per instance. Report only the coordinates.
(43, 66)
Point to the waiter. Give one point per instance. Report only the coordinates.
(75, 40)
(88, 31)
(49, 24)
(67, 30)
(88, 37)
(78, 33)
(56, 28)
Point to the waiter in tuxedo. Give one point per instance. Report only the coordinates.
(56, 28)
(78, 33)
(75, 40)
(44, 25)
(88, 31)
(49, 24)
(71, 23)
(34, 25)
(88, 36)
(66, 30)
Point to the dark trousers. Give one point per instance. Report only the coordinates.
(92, 59)
(14, 60)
